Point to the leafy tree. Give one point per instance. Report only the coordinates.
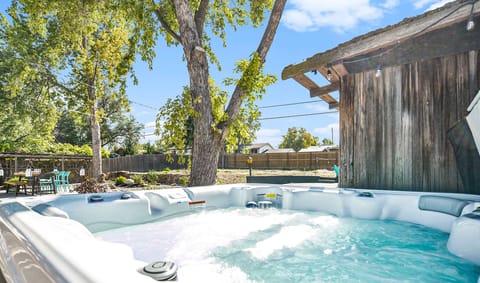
(117, 129)
(327, 141)
(184, 22)
(153, 148)
(298, 138)
(72, 128)
(95, 43)
(175, 121)
(28, 106)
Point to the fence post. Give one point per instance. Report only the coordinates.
(310, 165)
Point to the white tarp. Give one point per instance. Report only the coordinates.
(473, 119)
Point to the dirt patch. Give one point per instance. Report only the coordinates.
(224, 176)
(235, 176)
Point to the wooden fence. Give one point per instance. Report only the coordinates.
(15, 162)
(284, 160)
(294, 160)
(140, 163)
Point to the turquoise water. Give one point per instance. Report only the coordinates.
(253, 245)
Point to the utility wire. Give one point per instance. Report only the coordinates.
(289, 104)
(260, 107)
(143, 105)
(297, 115)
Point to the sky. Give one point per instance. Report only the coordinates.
(307, 27)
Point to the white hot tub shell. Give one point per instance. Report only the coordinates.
(50, 239)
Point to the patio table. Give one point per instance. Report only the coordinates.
(34, 179)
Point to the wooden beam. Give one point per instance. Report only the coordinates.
(328, 98)
(312, 86)
(305, 81)
(451, 40)
(334, 78)
(449, 14)
(318, 91)
(340, 70)
(333, 105)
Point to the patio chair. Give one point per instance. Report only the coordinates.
(337, 171)
(47, 185)
(61, 181)
(58, 180)
(65, 181)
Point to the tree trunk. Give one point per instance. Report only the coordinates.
(206, 144)
(208, 139)
(96, 140)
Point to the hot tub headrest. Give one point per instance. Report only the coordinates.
(49, 210)
(446, 205)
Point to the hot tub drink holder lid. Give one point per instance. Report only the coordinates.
(251, 204)
(265, 204)
(161, 270)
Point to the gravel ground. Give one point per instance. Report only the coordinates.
(234, 176)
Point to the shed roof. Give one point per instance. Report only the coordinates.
(280, 150)
(433, 34)
(259, 145)
(318, 148)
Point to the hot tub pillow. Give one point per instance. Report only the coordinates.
(446, 205)
(49, 210)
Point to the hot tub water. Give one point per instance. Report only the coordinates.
(256, 245)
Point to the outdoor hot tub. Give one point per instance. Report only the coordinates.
(242, 233)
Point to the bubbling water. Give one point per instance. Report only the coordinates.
(255, 245)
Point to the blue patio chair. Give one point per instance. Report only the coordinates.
(65, 181)
(47, 185)
(337, 171)
(58, 180)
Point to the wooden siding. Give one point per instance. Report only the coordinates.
(393, 128)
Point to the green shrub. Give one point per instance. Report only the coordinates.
(183, 180)
(138, 180)
(120, 180)
(152, 177)
(166, 170)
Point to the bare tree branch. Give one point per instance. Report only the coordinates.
(165, 25)
(200, 16)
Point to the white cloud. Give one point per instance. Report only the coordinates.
(272, 136)
(421, 3)
(433, 4)
(389, 4)
(149, 125)
(319, 107)
(438, 4)
(326, 132)
(341, 15)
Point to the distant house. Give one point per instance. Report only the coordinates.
(259, 148)
(402, 89)
(319, 148)
(281, 150)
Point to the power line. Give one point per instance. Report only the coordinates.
(148, 134)
(143, 105)
(261, 107)
(298, 115)
(289, 104)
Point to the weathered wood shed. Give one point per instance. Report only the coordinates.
(402, 88)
